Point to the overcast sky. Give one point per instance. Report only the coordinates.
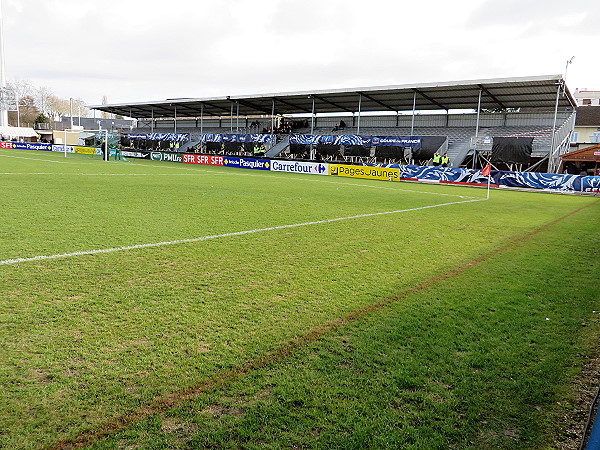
(141, 50)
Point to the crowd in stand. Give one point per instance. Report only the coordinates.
(148, 144)
(339, 126)
(286, 127)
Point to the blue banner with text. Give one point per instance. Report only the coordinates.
(356, 139)
(247, 163)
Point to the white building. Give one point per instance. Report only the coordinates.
(585, 97)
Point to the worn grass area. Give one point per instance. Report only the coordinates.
(90, 340)
(482, 360)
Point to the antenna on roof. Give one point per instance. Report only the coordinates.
(569, 61)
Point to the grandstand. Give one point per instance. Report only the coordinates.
(460, 118)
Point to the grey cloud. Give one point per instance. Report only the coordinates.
(519, 12)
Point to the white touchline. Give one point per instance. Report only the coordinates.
(217, 236)
(34, 159)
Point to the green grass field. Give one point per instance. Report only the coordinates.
(401, 325)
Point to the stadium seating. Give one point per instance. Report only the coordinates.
(453, 133)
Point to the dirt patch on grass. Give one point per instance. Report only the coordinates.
(178, 427)
(221, 410)
(576, 414)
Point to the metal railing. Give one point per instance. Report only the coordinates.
(561, 143)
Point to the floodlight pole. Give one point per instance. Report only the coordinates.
(64, 141)
(3, 111)
(106, 145)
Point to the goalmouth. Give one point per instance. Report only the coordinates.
(90, 142)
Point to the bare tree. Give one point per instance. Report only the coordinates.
(43, 101)
(59, 106)
(28, 112)
(79, 108)
(22, 87)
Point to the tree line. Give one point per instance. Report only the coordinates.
(41, 105)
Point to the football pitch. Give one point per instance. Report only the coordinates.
(161, 305)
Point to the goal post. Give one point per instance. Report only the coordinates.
(79, 140)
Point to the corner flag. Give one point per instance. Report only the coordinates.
(486, 172)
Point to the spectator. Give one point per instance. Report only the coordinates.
(408, 156)
(445, 160)
(105, 149)
(259, 149)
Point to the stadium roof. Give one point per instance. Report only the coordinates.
(500, 93)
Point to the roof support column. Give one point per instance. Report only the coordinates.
(231, 118)
(202, 118)
(412, 122)
(273, 116)
(175, 119)
(358, 121)
(551, 159)
(312, 117)
(152, 121)
(237, 118)
(478, 112)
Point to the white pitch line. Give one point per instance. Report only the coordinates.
(102, 174)
(211, 172)
(193, 169)
(218, 172)
(217, 236)
(34, 159)
(389, 188)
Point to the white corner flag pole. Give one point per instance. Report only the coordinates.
(488, 191)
